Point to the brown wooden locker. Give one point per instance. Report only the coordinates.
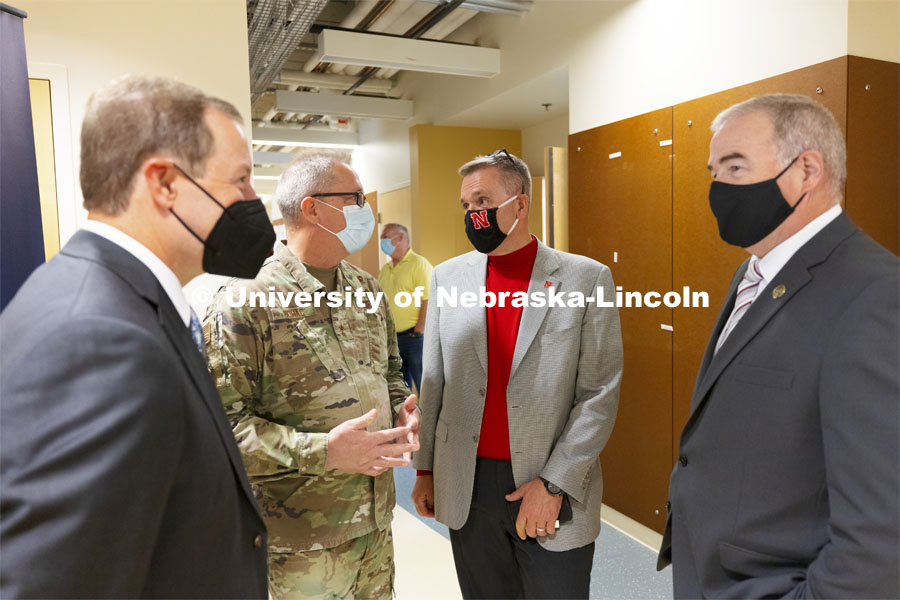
(700, 258)
(873, 149)
(620, 213)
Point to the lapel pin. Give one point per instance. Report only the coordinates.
(778, 292)
(547, 284)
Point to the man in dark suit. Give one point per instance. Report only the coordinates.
(120, 475)
(787, 480)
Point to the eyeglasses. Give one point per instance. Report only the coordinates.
(502, 153)
(360, 197)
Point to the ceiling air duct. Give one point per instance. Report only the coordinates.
(275, 27)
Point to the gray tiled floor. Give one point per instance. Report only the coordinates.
(623, 568)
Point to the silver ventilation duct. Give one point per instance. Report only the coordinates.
(275, 28)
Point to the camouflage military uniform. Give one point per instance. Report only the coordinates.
(287, 376)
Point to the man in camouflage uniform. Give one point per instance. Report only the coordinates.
(313, 394)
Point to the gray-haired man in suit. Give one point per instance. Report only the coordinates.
(787, 480)
(517, 401)
(119, 474)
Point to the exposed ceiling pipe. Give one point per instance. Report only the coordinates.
(333, 82)
(429, 21)
(509, 7)
(380, 8)
(438, 32)
(384, 22)
(351, 20)
(375, 14)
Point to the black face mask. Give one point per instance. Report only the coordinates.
(748, 213)
(484, 231)
(241, 239)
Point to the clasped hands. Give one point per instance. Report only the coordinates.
(537, 514)
(353, 449)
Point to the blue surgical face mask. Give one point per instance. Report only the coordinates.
(387, 246)
(360, 224)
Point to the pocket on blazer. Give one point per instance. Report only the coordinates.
(765, 377)
(441, 431)
(750, 563)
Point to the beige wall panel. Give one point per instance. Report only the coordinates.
(42, 121)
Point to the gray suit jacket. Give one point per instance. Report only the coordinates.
(119, 474)
(562, 397)
(787, 483)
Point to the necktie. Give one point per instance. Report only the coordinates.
(745, 295)
(197, 334)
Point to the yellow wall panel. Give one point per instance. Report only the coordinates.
(435, 155)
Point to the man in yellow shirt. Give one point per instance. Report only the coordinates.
(404, 273)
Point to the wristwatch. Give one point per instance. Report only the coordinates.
(552, 488)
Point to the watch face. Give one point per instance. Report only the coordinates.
(552, 489)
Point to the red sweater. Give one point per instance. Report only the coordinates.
(507, 273)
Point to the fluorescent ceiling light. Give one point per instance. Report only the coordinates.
(394, 52)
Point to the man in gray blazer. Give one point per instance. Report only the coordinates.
(787, 480)
(517, 401)
(119, 474)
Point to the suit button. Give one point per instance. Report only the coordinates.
(475, 438)
(257, 541)
(683, 460)
(668, 507)
(481, 391)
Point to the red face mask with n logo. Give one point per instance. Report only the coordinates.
(483, 230)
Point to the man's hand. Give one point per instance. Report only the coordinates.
(539, 510)
(409, 418)
(353, 449)
(423, 495)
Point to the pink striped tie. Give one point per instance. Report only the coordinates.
(745, 295)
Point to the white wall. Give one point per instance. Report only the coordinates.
(627, 58)
(199, 42)
(656, 53)
(382, 160)
(542, 41)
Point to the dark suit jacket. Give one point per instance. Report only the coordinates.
(787, 481)
(120, 476)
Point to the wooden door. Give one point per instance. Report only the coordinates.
(873, 149)
(620, 213)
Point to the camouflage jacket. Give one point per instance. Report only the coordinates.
(287, 376)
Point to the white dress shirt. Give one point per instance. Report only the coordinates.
(770, 264)
(166, 277)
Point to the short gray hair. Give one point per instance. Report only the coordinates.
(398, 228)
(130, 119)
(800, 124)
(515, 173)
(311, 172)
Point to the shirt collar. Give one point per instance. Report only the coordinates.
(777, 257)
(166, 277)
